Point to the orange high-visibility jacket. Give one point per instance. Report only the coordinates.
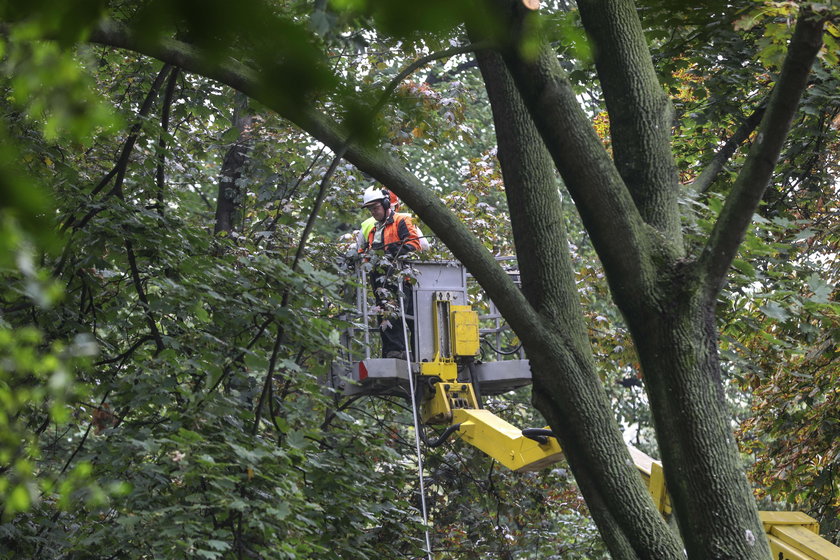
(398, 237)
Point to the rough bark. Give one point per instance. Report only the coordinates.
(640, 113)
(713, 501)
(566, 385)
(666, 298)
(667, 301)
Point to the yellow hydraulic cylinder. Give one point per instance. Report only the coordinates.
(504, 442)
(446, 398)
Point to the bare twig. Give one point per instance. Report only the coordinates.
(702, 183)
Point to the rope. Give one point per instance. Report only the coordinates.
(416, 423)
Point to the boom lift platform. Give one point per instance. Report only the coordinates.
(443, 357)
(452, 380)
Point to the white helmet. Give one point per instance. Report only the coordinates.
(373, 194)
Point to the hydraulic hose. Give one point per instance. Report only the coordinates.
(474, 380)
(443, 437)
(540, 435)
(502, 352)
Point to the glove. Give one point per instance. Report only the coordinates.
(399, 249)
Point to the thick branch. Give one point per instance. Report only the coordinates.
(640, 112)
(616, 497)
(533, 197)
(618, 232)
(702, 183)
(377, 163)
(749, 188)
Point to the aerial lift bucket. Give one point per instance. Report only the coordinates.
(446, 342)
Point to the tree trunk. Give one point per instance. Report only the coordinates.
(567, 389)
(229, 199)
(712, 499)
(665, 295)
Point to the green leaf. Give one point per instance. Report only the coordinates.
(217, 545)
(744, 268)
(18, 500)
(775, 311)
(820, 288)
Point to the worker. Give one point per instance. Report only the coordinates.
(367, 225)
(392, 235)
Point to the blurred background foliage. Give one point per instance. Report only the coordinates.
(162, 352)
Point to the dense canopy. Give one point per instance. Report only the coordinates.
(179, 185)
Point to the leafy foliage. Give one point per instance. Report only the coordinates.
(160, 387)
(161, 398)
(783, 352)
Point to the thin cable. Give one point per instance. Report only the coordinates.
(416, 421)
(502, 352)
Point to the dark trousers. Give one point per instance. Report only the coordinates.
(391, 332)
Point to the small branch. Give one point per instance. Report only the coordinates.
(422, 61)
(84, 438)
(731, 226)
(702, 183)
(269, 376)
(121, 166)
(226, 369)
(141, 295)
(127, 353)
(464, 66)
(293, 190)
(331, 415)
(164, 128)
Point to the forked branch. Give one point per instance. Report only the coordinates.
(731, 226)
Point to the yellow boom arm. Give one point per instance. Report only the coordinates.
(792, 535)
(504, 442)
